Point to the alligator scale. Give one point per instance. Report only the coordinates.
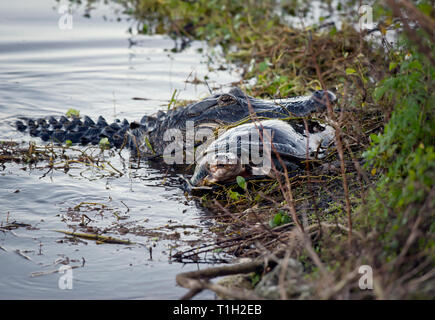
(146, 138)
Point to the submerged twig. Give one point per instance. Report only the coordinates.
(96, 237)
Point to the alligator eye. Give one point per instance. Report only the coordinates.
(226, 100)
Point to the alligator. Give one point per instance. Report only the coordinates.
(145, 138)
(218, 109)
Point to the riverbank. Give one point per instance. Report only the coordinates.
(371, 202)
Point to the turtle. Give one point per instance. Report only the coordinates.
(260, 149)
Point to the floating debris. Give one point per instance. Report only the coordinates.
(96, 237)
(20, 253)
(44, 273)
(14, 225)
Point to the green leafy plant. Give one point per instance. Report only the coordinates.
(104, 143)
(279, 219)
(241, 182)
(73, 113)
(404, 152)
(234, 195)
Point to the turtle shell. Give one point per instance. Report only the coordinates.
(255, 145)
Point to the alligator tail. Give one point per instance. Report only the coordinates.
(75, 130)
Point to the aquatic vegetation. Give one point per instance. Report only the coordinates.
(60, 157)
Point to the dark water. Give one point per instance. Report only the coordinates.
(93, 67)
